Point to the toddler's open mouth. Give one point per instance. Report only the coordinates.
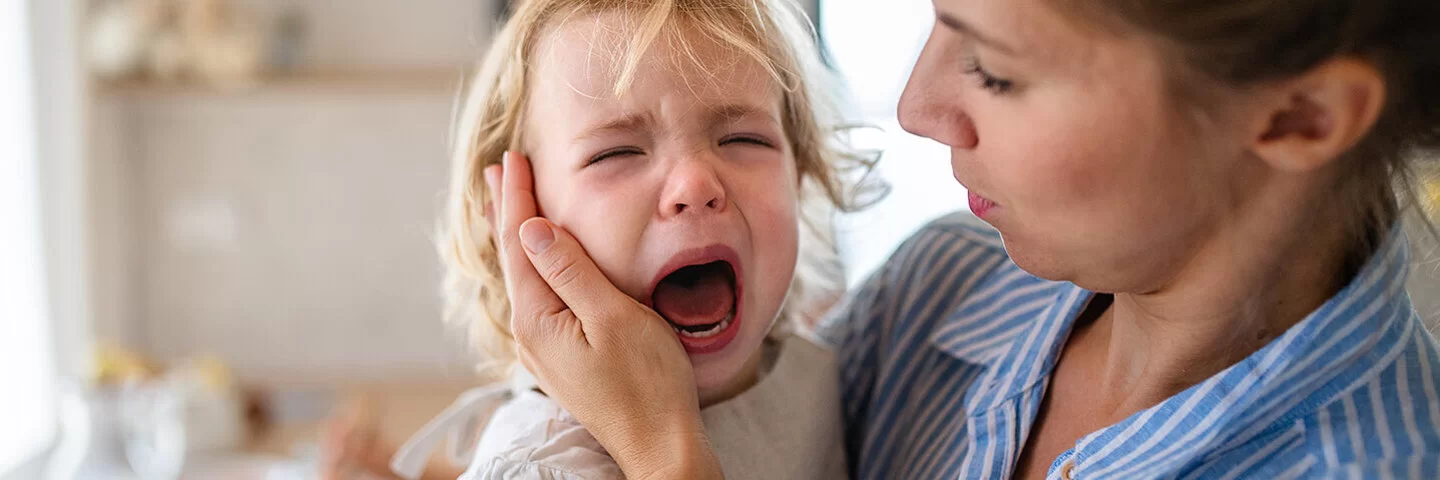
(700, 298)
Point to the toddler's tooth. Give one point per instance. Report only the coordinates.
(715, 330)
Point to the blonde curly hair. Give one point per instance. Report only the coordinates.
(774, 33)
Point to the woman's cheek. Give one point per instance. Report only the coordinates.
(1050, 172)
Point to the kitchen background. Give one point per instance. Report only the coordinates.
(246, 190)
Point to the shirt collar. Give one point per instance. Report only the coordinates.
(1013, 324)
(1340, 346)
(1331, 348)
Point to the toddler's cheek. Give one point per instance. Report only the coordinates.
(602, 237)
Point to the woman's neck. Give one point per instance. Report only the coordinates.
(1245, 286)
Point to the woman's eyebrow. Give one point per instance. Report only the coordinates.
(963, 28)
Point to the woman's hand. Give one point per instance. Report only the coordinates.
(610, 361)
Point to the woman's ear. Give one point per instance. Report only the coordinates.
(1311, 120)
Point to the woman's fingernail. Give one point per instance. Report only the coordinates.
(505, 158)
(536, 236)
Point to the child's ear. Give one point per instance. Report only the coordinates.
(1315, 118)
(493, 195)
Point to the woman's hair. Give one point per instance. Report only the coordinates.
(1239, 43)
(773, 33)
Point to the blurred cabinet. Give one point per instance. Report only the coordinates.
(289, 227)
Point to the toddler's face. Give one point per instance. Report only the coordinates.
(683, 190)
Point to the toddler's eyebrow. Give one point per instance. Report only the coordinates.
(637, 121)
(739, 111)
(625, 123)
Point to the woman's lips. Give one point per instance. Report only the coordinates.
(980, 206)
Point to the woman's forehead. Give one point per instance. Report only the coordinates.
(1030, 30)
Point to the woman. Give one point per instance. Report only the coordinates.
(1194, 269)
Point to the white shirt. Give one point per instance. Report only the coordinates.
(788, 425)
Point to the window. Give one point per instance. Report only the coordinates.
(874, 66)
(27, 402)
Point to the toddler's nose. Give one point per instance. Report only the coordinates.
(692, 187)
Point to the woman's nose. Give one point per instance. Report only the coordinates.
(931, 105)
(692, 186)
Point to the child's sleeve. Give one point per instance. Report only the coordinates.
(525, 436)
(459, 423)
(532, 438)
(504, 469)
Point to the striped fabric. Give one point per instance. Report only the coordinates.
(946, 351)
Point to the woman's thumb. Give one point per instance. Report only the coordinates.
(570, 272)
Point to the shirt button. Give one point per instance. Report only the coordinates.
(1067, 469)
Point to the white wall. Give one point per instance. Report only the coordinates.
(44, 304)
(875, 68)
(370, 35)
(27, 399)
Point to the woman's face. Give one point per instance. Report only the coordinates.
(1071, 143)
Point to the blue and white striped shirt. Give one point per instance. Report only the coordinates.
(946, 352)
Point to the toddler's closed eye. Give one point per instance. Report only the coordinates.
(613, 153)
(747, 139)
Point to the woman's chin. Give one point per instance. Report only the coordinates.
(1033, 260)
(1081, 269)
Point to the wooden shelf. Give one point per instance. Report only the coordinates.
(428, 81)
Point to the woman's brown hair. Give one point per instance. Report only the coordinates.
(1238, 43)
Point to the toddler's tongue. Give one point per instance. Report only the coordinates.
(696, 295)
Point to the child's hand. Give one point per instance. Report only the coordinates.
(612, 362)
(351, 447)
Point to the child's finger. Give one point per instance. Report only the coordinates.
(344, 439)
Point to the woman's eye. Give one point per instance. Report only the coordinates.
(746, 139)
(993, 84)
(613, 153)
